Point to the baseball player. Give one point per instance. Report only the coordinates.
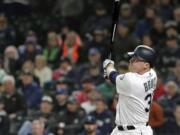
(135, 90)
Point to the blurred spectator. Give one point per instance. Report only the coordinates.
(147, 40)
(2, 71)
(165, 9)
(42, 71)
(100, 19)
(171, 28)
(127, 16)
(145, 24)
(169, 54)
(14, 102)
(70, 10)
(176, 15)
(172, 126)
(90, 126)
(175, 76)
(31, 91)
(71, 47)
(89, 105)
(169, 100)
(160, 90)
(4, 120)
(65, 69)
(11, 63)
(73, 117)
(45, 112)
(52, 49)
(157, 32)
(107, 89)
(87, 87)
(156, 119)
(123, 41)
(99, 42)
(104, 117)
(61, 100)
(137, 8)
(36, 127)
(94, 59)
(7, 34)
(30, 48)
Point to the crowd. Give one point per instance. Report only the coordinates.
(51, 54)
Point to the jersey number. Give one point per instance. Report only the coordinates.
(148, 98)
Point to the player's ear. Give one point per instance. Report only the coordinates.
(146, 65)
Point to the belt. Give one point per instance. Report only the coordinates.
(128, 127)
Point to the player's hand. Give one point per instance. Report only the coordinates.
(105, 65)
(107, 62)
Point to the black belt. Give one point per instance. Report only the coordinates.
(129, 127)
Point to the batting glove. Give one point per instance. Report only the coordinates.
(105, 64)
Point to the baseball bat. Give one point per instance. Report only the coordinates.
(115, 17)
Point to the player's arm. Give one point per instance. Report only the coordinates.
(109, 70)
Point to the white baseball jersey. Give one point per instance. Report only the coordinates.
(135, 96)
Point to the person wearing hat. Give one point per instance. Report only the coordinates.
(103, 116)
(30, 48)
(73, 117)
(30, 89)
(90, 126)
(61, 97)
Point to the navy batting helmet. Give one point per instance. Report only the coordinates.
(144, 52)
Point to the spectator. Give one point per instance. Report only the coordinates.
(87, 87)
(165, 9)
(100, 19)
(172, 126)
(89, 106)
(90, 127)
(71, 47)
(14, 102)
(65, 69)
(127, 16)
(30, 48)
(175, 76)
(11, 63)
(123, 42)
(160, 90)
(61, 100)
(156, 119)
(169, 100)
(171, 28)
(157, 32)
(137, 8)
(52, 49)
(145, 24)
(31, 91)
(2, 71)
(176, 15)
(7, 33)
(42, 71)
(99, 42)
(4, 123)
(169, 54)
(104, 117)
(107, 89)
(147, 40)
(73, 117)
(94, 59)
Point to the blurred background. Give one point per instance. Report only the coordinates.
(51, 54)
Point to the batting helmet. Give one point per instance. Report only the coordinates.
(144, 52)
